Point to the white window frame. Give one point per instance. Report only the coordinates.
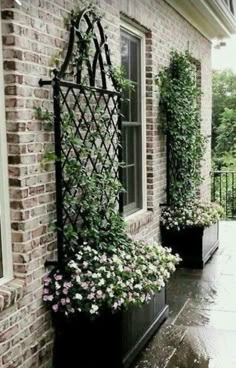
(128, 27)
(5, 223)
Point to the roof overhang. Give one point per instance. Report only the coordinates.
(213, 18)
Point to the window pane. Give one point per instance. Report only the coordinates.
(125, 184)
(134, 60)
(130, 146)
(124, 145)
(131, 184)
(125, 55)
(125, 105)
(134, 105)
(131, 140)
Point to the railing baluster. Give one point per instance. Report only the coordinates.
(226, 194)
(224, 191)
(233, 196)
(220, 191)
(214, 188)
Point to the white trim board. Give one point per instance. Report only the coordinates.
(4, 188)
(126, 26)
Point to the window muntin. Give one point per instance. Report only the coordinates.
(132, 125)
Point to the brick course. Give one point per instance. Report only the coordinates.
(32, 34)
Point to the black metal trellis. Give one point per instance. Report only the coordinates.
(86, 101)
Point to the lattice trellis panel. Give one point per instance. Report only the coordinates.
(87, 133)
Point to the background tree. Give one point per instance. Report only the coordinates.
(224, 119)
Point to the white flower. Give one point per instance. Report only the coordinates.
(78, 296)
(101, 282)
(120, 268)
(94, 309)
(78, 279)
(72, 264)
(91, 296)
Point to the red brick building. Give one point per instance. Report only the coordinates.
(141, 33)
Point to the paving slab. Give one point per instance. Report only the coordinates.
(201, 329)
(205, 348)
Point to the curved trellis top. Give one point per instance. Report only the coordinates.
(88, 52)
(87, 131)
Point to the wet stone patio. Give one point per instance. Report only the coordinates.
(201, 329)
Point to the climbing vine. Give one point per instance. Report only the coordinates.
(179, 95)
(99, 265)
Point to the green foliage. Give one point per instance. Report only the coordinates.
(118, 73)
(224, 137)
(104, 267)
(223, 97)
(179, 95)
(226, 133)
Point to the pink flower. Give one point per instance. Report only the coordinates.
(58, 277)
(45, 291)
(65, 291)
(50, 298)
(67, 285)
(63, 301)
(127, 269)
(47, 279)
(67, 300)
(45, 298)
(55, 307)
(99, 294)
(84, 285)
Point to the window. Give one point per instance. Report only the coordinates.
(132, 60)
(5, 239)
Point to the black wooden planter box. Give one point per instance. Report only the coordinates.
(111, 340)
(195, 245)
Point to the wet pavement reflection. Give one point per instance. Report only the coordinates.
(201, 329)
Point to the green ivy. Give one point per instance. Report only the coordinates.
(179, 96)
(92, 197)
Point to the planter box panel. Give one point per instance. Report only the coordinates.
(139, 325)
(110, 341)
(210, 241)
(195, 245)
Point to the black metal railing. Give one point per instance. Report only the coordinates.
(223, 189)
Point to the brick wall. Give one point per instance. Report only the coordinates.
(33, 33)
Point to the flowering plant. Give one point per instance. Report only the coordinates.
(101, 268)
(97, 279)
(196, 214)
